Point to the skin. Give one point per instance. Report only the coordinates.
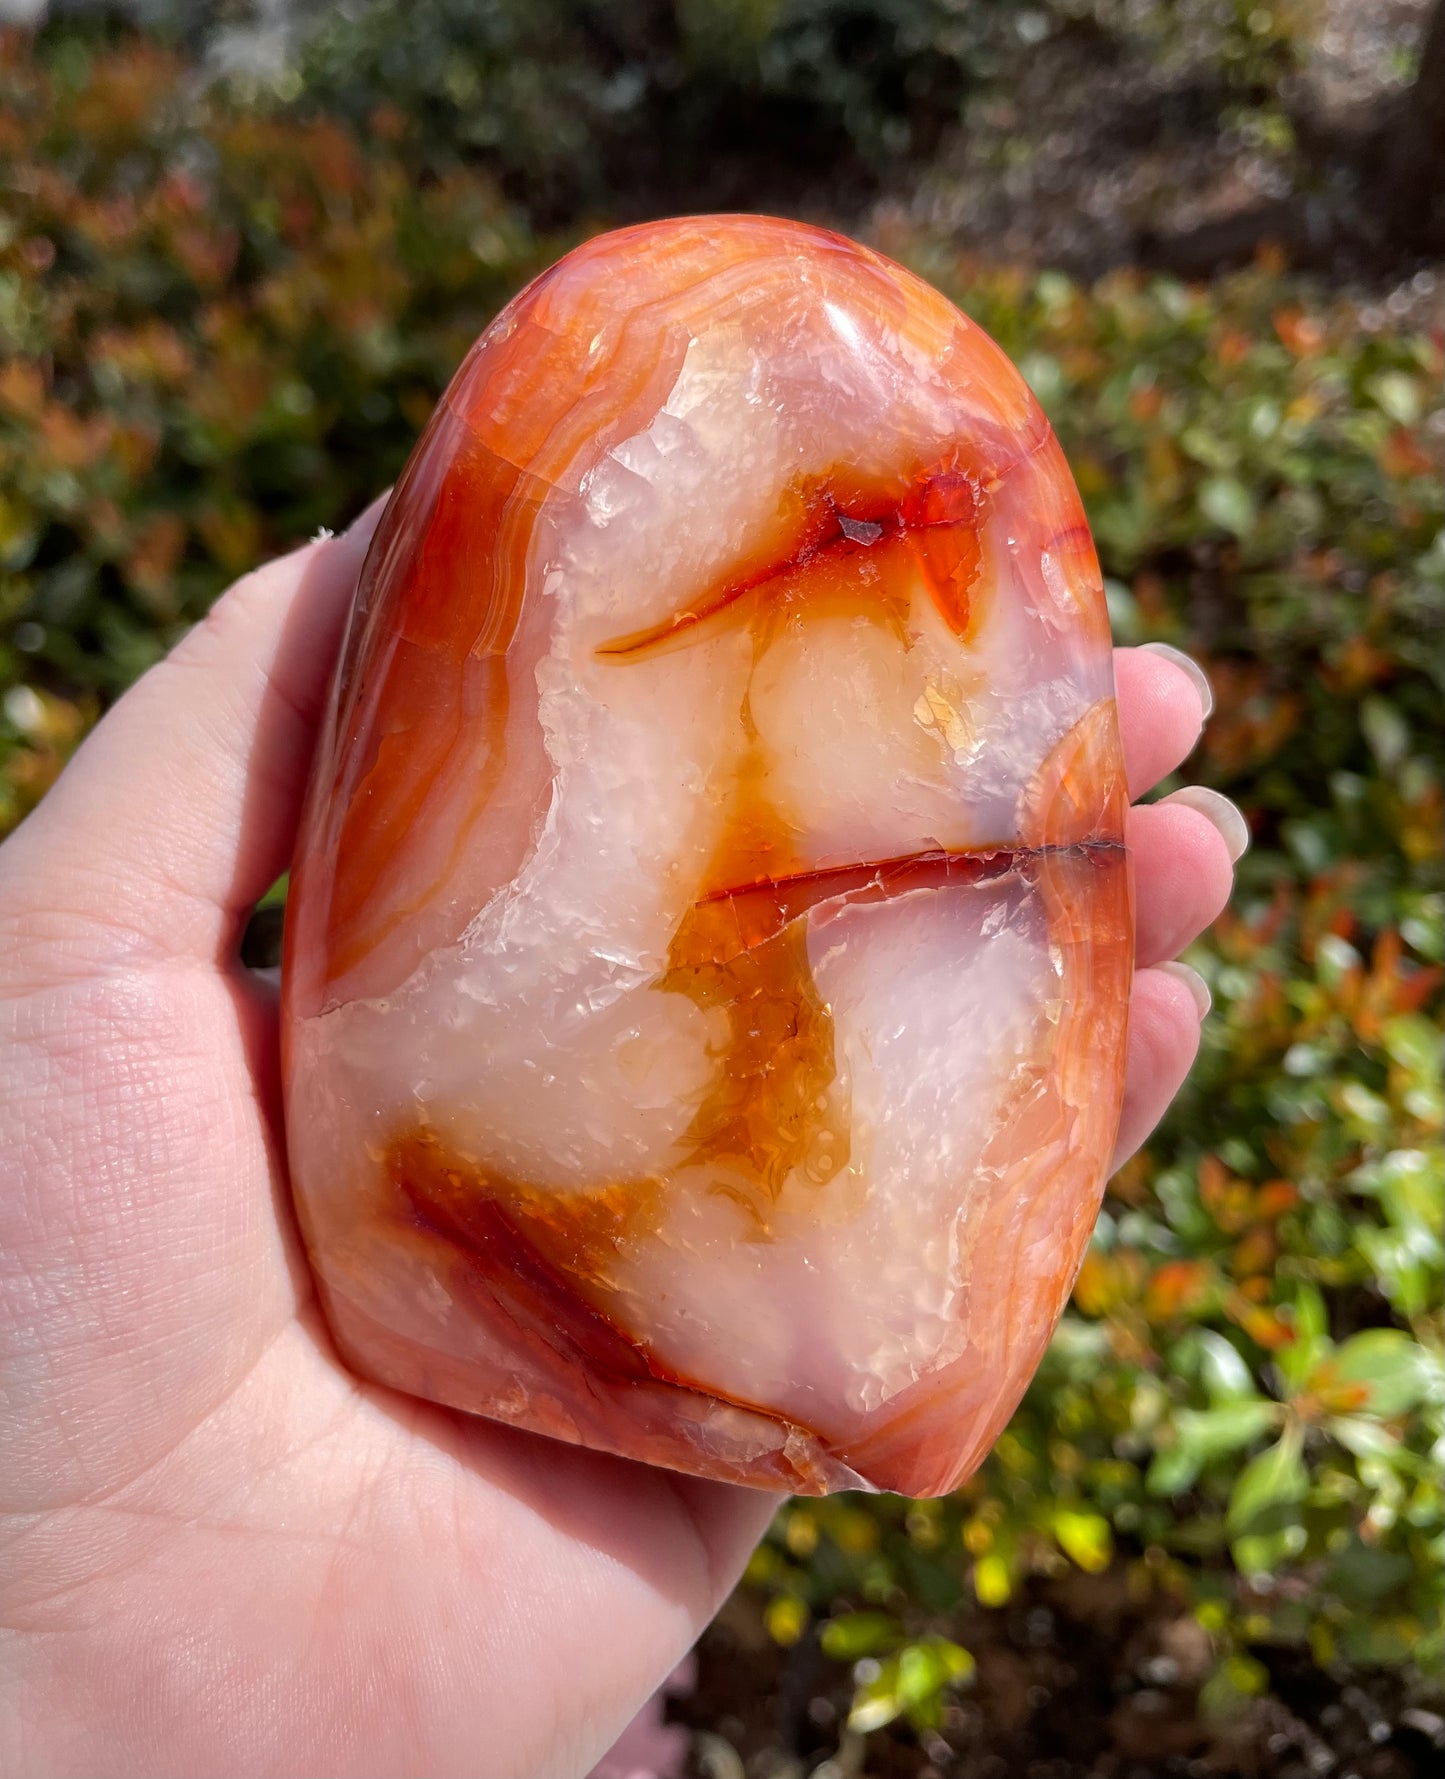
(219, 1552)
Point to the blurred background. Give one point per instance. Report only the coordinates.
(242, 248)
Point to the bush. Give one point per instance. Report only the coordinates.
(219, 333)
(222, 330)
(581, 105)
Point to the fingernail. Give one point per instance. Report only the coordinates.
(1232, 827)
(1186, 664)
(1194, 982)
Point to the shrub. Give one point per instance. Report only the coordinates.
(584, 105)
(575, 100)
(219, 332)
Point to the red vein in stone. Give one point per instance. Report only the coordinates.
(829, 531)
(532, 1296)
(763, 907)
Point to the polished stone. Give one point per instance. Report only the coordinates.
(709, 943)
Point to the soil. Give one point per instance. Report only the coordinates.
(1076, 1679)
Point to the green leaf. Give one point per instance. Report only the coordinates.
(992, 1579)
(1414, 1043)
(1366, 1439)
(1055, 290)
(786, 1617)
(1386, 731)
(1397, 394)
(927, 1667)
(910, 1683)
(1396, 1371)
(1274, 1480)
(1124, 619)
(876, 1702)
(275, 897)
(1227, 503)
(1311, 1336)
(1210, 1433)
(1208, 448)
(1259, 1553)
(1085, 1538)
(1311, 1318)
(1044, 375)
(856, 1634)
(1172, 1471)
(1222, 1369)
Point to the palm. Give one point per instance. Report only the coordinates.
(223, 1552)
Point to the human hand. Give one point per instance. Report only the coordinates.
(223, 1553)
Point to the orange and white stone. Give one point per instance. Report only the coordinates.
(709, 943)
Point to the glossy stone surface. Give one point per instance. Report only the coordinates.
(710, 940)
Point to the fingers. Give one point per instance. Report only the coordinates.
(1163, 700)
(1166, 1011)
(1184, 851)
(181, 808)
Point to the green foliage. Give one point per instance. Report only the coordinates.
(572, 96)
(581, 102)
(221, 328)
(217, 333)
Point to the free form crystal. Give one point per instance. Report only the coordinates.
(709, 943)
